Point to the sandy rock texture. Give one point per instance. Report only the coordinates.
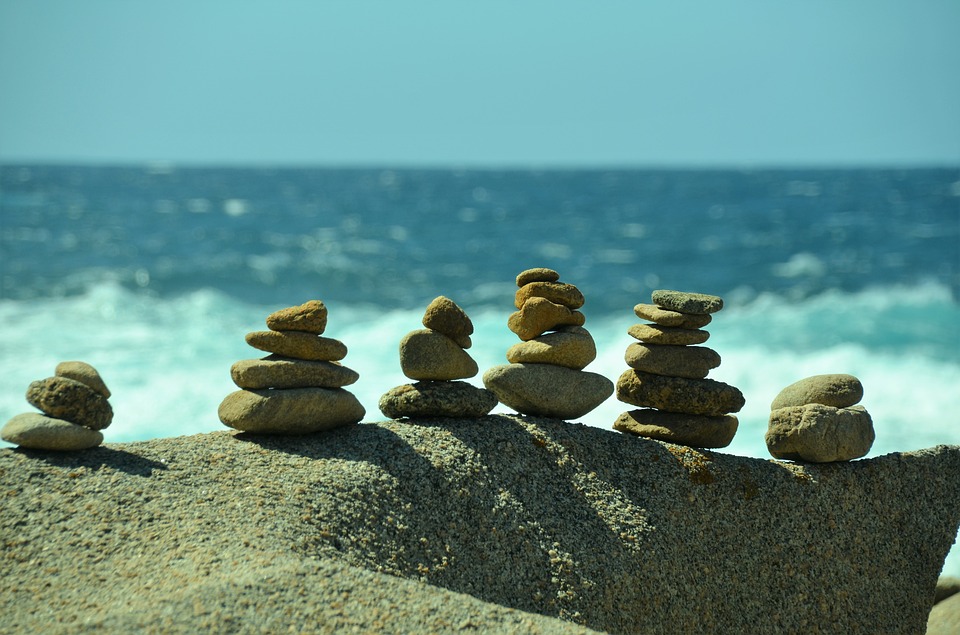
(515, 524)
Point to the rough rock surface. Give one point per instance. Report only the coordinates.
(298, 344)
(656, 334)
(486, 525)
(664, 317)
(569, 346)
(63, 398)
(538, 315)
(445, 316)
(437, 399)
(706, 397)
(819, 433)
(290, 411)
(691, 362)
(557, 292)
(431, 356)
(275, 371)
(838, 390)
(40, 432)
(547, 390)
(85, 374)
(677, 427)
(310, 317)
(684, 302)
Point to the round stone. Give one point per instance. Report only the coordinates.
(290, 411)
(85, 374)
(706, 397)
(428, 355)
(692, 362)
(681, 302)
(839, 391)
(674, 427)
(437, 399)
(944, 618)
(40, 432)
(275, 371)
(557, 292)
(71, 400)
(444, 316)
(537, 274)
(298, 344)
(310, 317)
(539, 315)
(664, 317)
(656, 334)
(570, 346)
(819, 434)
(546, 390)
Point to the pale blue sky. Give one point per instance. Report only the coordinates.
(417, 82)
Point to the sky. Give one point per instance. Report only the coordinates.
(493, 83)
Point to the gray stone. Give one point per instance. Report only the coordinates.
(706, 397)
(431, 356)
(547, 390)
(570, 346)
(309, 317)
(539, 315)
(557, 292)
(537, 274)
(437, 399)
(40, 432)
(85, 374)
(674, 427)
(682, 302)
(63, 398)
(839, 391)
(664, 317)
(944, 618)
(692, 362)
(819, 434)
(275, 371)
(298, 344)
(444, 316)
(290, 411)
(656, 334)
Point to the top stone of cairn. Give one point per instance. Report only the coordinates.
(444, 316)
(537, 274)
(695, 303)
(309, 317)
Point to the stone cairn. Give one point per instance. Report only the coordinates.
(667, 375)
(75, 409)
(298, 389)
(817, 420)
(545, 375)
(435, 357)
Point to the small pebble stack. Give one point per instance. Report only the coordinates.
(435, 357)
(75, 409)
(545, 375)
(667, 375)
(298, 389)
(817, 420)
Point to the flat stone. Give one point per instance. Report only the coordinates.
(819, 434)
(839, 391)
(570, 346)
(692, 362)
(557, 292)
(63, 398)
(275, 371)
(444, 316)
(656, 334)
(310, 317)
(537, 274)
(298, 344)
(706, 397)
(664, 317)
(426, 354)
(681, 302)
(437, 399)
(674, 427)
(547, 390)
(944, 618)
(40, 432)
(290, 411)
(539, 315)
(85, 374)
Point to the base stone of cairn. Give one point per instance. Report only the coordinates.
(668, 375)
(435, 357)
(298, 388)
(817, 420)
(75, 408)
(545, 376)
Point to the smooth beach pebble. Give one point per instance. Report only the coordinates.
(428, 355)
(691, 362)
(71, 400)
(310, 317)
(537, 274)
(275, 371)
(838, 390)
(538, 315)
(656, 334)
(569, 346)
(437, 399)
(290, 411)
(298, 344)
(674, 427)
(557, 292)
(547, 390)
(682, 302)
(445, 316)
(85, 374)
(664, 317)
(39, 432)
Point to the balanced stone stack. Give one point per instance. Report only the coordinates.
(817, 420)
(545, 376)
(75, 409)
(298, 389)
(667, 375)
(435, 357)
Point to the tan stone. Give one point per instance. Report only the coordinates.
(570, 346)
(298, 344)
(275, 371)
(705, 397)
(310, 317)
(538, 315)
(547, 390)
(444, 316)
(426, 354)
(537, 274)
(674, 427)
(557, 292)
(944, 618)
(656, 334)
(671, 318)
(839, 391)
(692, 362)
(85, 374)
(71, 400)
(40, 432)
(290, 411)
(437, 399)
(690, 303)
(819, 434)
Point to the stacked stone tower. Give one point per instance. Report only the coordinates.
(667, 376)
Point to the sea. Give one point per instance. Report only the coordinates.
(154, 273)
